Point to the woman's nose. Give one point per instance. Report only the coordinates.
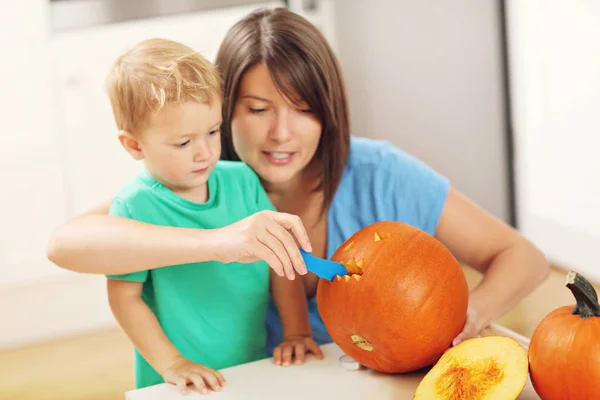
(281, 129)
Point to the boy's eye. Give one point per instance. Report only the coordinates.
(183, 144)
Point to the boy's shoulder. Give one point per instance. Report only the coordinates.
(235, 171)
(233, 167)
(142, 186)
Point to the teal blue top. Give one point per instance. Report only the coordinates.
(213, 313)
(380, 182)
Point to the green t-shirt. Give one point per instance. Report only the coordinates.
(213, 313)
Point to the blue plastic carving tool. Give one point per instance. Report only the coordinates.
(325, 269)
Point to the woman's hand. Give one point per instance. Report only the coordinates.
(183, 372)
(472, 328)
(293, 349)
(267, 235)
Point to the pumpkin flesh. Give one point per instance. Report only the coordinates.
(564, 353)
(402, 305)
(487, 368)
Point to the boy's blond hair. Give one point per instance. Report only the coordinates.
(156, 73)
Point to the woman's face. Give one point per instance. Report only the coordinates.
(272, 135)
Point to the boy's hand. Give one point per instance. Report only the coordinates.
(295, 346)
(183, 372)
(267, 235)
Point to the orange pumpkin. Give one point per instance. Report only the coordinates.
(403, 303)
(564, 353)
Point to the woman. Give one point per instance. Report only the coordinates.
(285, 114)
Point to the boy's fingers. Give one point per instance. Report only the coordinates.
(220, 378)
(314, 348)
(277, 355)
(299, 351)
(181, 385)
(211, 380)
(287, 355)
(198, 382)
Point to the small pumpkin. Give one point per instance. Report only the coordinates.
(403, 303)
(483, 368)
(564, 353)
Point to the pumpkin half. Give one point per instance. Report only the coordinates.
(403, 303)
(484, 368)
(564, 354)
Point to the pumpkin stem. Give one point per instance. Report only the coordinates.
(587, 299)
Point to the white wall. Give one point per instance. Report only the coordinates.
(427, 76)
(555, 85)
(59, 154)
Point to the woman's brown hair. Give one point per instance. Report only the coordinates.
(303, 67)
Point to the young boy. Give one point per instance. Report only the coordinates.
(187, 321)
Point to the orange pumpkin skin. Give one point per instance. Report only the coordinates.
(564, 352)
(404, 303)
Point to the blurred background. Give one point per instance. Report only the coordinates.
(503, 97)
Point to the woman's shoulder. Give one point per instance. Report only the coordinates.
(376, 155)
(383, 182)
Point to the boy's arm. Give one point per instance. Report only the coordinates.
(290, 300)
(140, 324)
(146, 334)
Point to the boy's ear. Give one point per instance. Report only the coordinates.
(131, 144)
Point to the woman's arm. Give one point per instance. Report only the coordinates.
(512, 266)
(97, 243)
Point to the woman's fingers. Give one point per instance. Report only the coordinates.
(292, 254)
(293, 223)
(263, 252)
(274, 244)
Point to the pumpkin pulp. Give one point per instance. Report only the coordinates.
(490, 368)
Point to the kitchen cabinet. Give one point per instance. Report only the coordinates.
(97, 166)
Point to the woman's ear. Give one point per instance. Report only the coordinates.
(131, 144)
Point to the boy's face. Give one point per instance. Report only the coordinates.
(181, 146)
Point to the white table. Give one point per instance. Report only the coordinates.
(316, 379)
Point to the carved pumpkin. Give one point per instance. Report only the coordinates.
(484, 368)
(403, 303)
(564, 353)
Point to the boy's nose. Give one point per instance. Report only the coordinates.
(202, 154)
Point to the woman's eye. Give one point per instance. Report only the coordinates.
(214, 132)
(306, 110)
(183, 144)
(256, 110)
